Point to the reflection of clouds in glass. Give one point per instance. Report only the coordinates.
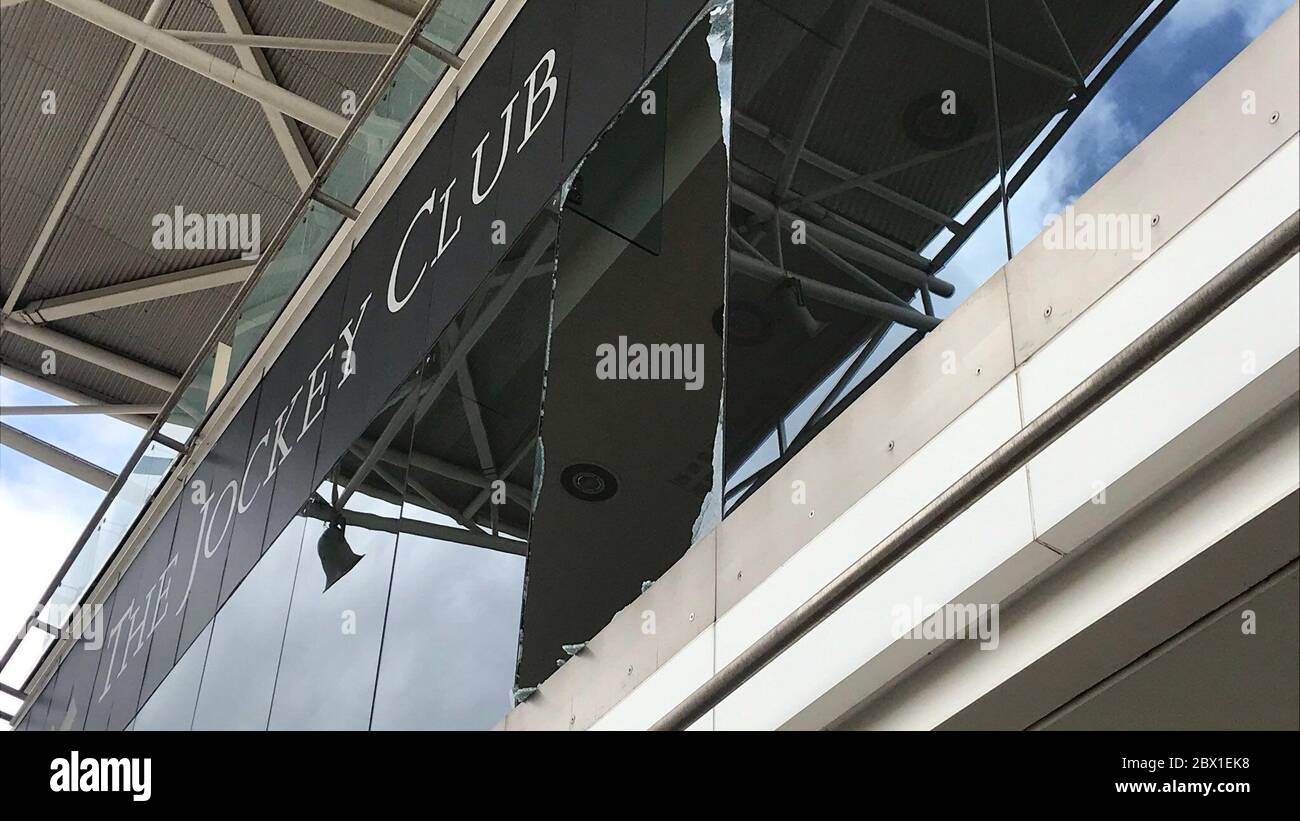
(1181, 54)
(240, 672)
(327, 673)
(171, 707)
(451, 637)
(1235, 17)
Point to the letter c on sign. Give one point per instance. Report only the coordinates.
(395, 304)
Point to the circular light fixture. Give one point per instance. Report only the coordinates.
(588, 482)
(929, 126)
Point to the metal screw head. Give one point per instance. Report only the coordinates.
(1047, 312)
(811, 513)
(629, 669)
(691, 617)
(1155, 220)
(890, 446)
(1274, 117)
(739, 573)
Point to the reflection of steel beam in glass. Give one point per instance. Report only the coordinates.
(511, 464)
(815, 97)
(841, 244)
(920, 159)
(418, 402)
(974, 46)
(320, 509)
(400, 484)
(838, 171)
(201, 62)
(1060, 38)
(435, 464)
(855, 273)
(835, 295)
(831, 221)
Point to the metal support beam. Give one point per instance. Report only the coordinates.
(468, 476)
(286, 132)
(199, 61)
(511, 464)
(815, 95)
(58, 391)
(856, 273)
(11, 691)
(78, 410)
(1060, 38)
(89, 150)
(974, 46)
(377, 14)
(57, 458)
(841, 173)
(849, 183)
(202, 278)
(429, 47)
(336, 204)
(96, 356)
(404, 482)
(265, 41)
(321, 510)
(474, 417)
(418, 402)
(834, 295)
(430, 463)
(388, 18)
(852, 249)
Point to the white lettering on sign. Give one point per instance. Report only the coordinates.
(307, 404)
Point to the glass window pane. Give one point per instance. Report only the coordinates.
(332, 641)
(244, 653)
(632, 430)
(452, 634)
(171, 707)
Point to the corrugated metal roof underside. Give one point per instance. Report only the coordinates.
(178, 140)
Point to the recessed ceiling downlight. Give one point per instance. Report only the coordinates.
(935, 122)
(588, 482)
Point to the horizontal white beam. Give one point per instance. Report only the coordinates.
(270, 41)
(415, 527)
(374, 13)
(61, 392)
(199, 61)
(216, 275)
(75, 410)
(90, 353)
(287, 134)
(57, 458)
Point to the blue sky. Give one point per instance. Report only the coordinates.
(44, 511)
